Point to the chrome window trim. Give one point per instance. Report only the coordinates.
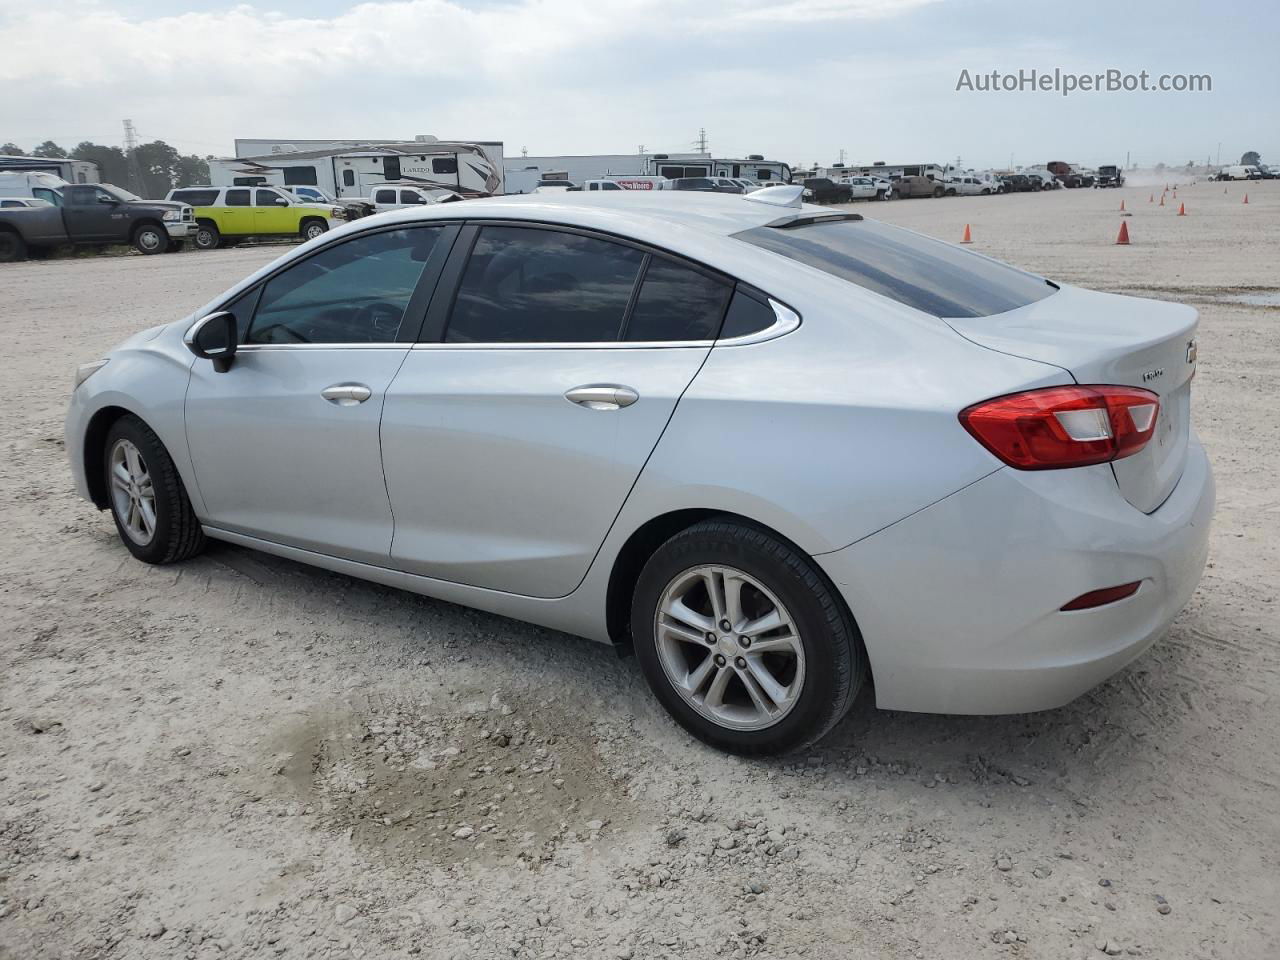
(584, 345)
(388, 345)
(787, 321)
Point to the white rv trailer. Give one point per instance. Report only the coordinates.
(72, 171)
(621, 166)
(933, 171)
(346, 169)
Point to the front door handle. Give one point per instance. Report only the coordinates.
(346, 394)
(602, 396)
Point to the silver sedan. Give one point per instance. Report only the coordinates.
(779, 452)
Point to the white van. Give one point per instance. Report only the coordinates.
(1240, 171)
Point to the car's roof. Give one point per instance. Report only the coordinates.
(629, 212)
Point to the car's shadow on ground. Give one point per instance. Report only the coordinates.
(1127, 716)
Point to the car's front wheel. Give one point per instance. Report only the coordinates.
(150, 239)
(743, 640)
(148, 501)
(207, 236)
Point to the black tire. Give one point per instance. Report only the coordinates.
(938, 191)
(13, 249)
(313, 228)
(177, 246)
(832, 645)
(207, 236)
(150, 239)
(177, 535)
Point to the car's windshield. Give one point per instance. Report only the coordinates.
(929, 275)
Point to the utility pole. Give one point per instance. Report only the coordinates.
(131, 156)
(702, 140)
(1219, 153)
(841, 156)
(524, 151)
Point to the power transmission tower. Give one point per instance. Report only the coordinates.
(702, 140)
(131, 155)
(641, 150)
(842, 152)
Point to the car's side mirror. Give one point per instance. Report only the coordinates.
(281, 202)
(214, 338)
(112, 201)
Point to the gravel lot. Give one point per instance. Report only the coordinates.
(242, 757)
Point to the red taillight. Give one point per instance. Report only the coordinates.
(1064, 426)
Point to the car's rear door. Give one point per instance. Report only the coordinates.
(236, 217)
(511, 441)
(285, 443)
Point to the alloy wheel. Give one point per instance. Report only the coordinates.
(133, 496)
(729, 647)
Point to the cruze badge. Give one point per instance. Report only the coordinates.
(1191, 351)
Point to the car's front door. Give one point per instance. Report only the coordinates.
(272, 213)
(285, 443)
(511, 443)
(92, 213)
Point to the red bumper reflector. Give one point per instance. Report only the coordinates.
(1098, 598)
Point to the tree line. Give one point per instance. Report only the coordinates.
(159, 167)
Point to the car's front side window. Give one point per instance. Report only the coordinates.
(526, 285)
(356, 291)
(268, 198)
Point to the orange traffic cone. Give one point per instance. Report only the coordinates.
(1166, 188)
(1246, 198)
(1175, 193)
(1162, 199)
(1122, 205)
(1182, 209)
(968, 238)
(1123, 239)
(1151, 199)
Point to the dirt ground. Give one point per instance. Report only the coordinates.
(243, 757)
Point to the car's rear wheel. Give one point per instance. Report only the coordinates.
(150, 239)
(207, 236)
(13, 248)
(743, 640)
(148, 501)
(314, 228)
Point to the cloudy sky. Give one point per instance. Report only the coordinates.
(797, 80)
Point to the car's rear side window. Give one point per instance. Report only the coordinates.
(526, 285)
(677, 303)
(238, 198)
(921, 272)
(197, 198)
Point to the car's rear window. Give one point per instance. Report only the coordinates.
(927, 274)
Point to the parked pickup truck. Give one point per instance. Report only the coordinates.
(826, 190)
(227, 215)
(94, 214)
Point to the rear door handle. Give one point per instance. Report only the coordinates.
(602, 396)
(346, 394)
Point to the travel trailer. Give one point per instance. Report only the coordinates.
(346, 170)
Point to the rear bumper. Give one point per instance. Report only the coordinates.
(960, 604)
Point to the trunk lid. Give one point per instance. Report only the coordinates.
(1102, 338)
